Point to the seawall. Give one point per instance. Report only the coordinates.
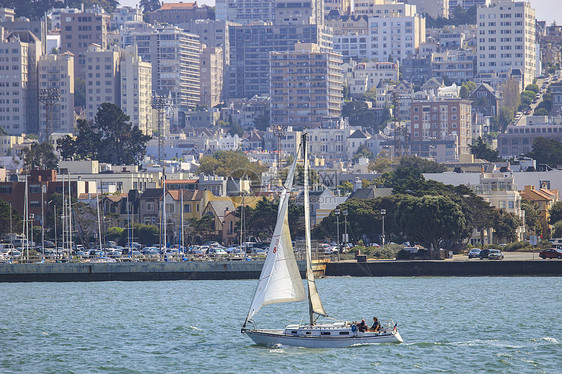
(217, 270)
(133, 271)
(445, 268)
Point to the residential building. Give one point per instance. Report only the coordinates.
(102, 78)
(19, 106)
(122, 15)
(211, 76)
(454, 65)
(467, 4)
(10, 145)
(57, 71)
(245, 112)
(79, 30)
(174, 55)
(213, 33)
(249, 53)
(500, 191)
(544, 198)
(383, 8)
(245, 11)
(506, 38)
(176, 13)
(556, 91)
(136, 89)
(517, 140)
(10, 24)
(486, 100)
(14, 192)
(416, 69)
(361, 77)
(341, 6)
(436, 119)
(306, 86)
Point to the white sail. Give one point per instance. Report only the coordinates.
(316, 306)
(280, 280)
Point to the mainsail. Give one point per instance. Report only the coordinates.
(315, 304)
(280, 280)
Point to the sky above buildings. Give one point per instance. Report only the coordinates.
(547, 10)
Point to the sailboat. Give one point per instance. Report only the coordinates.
(280, 282)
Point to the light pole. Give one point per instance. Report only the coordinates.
(345, 239)
(337, 213)
(383, 213)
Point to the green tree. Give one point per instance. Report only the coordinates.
(147, 234)
(40, 156)
(362, 151)
(432, 220)
(532, 214)
(484, 151)
(5, 219)
(358, 113)
(540, 112)
(262, 122)
(111, 138)
(467, 88)
(203, 227)
(149, 5)
(532, 87)
(345, 187)
(555, 213)
(505, 118)
(505, 226)
(557, 231)
(409, 167)
(546, 151)
(231, 164)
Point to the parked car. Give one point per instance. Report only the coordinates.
(495, 254)
(484, 253)
(474, 252)
(551, 253)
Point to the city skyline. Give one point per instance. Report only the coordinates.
(544, 9)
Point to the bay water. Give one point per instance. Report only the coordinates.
(449, 325)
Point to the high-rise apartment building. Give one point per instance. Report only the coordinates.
(467, 4)
(211, 76)
(342, 6)
(249, 53)
(174, 55)
(19, 108)
(102, 79)
(438, 119)
(245, 11)
(306, 86)
(122, 15)
(176, 13)
(136, 89)
(506, 39)
(79, 30)
(383, 8)
(57, 71)
(212, 33)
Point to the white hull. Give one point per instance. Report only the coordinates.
(278, 337)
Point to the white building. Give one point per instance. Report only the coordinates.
(57, 71)
(102, 79)
(19, 54)
(433, 8)
(122, 15)
(361, 77)
(174, 55)
(383, 8)
(136, 89)
(506, 38)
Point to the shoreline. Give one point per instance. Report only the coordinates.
(224, 270)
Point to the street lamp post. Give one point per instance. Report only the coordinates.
(345, 239)
(383, 213)
(337, 213)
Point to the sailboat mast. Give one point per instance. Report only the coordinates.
(314, 303)
(99, 221)
(307, 222)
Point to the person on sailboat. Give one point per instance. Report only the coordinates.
(376, 325)
(362, 326)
